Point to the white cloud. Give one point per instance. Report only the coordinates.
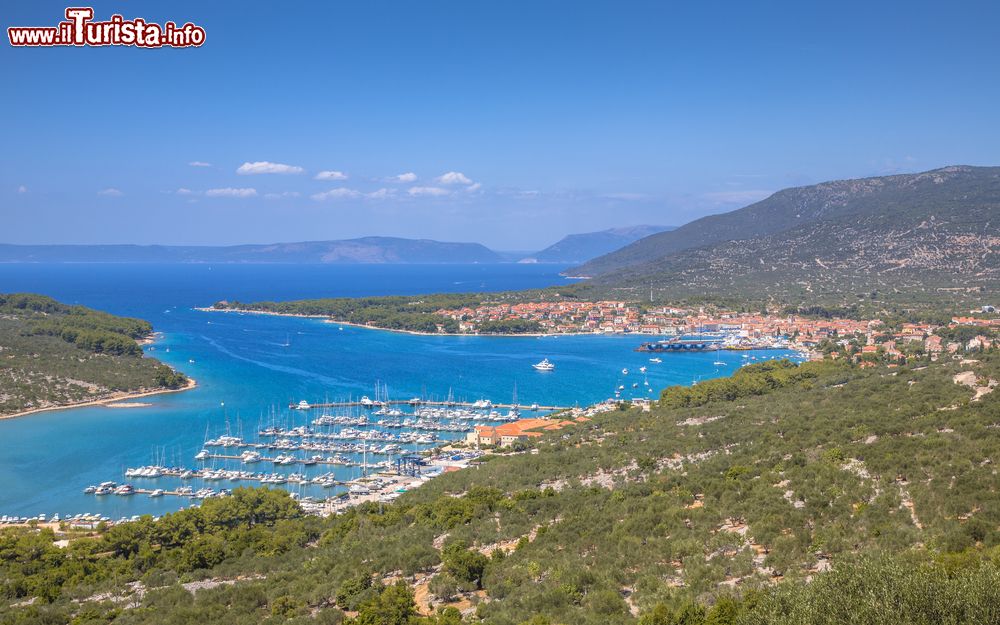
(453, 177)
(431, 191)
(22, 189)
(339, 193)
(183, 191)
(282, 195)
(473, 187)
(266, 167)
(331, 175)
(110, 192)
(199, 164)
(407, 177)
(231, 192)
(381, 194)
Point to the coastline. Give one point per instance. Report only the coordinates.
(113, 398)
(328, 319)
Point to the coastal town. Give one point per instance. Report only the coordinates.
(744, 330)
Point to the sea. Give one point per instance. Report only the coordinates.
(250, 368)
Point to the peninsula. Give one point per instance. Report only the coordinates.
(54, 356)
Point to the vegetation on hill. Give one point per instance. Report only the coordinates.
(909, 240)
(52, 354)
(877, 484)
(415, 313)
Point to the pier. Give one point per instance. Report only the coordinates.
(293, 460)
(425, 402)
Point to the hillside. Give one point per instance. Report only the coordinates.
(928, 231)
(578, 248)
(54, 355)
(363, 250)
(824, 493)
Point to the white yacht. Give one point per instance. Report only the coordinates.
(251, 456)
(545, 365)
(303, 405)
(656, 360)
(366, 401)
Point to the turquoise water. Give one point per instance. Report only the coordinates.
(247, 375)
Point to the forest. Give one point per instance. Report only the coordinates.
(55, 354)
(826, 493)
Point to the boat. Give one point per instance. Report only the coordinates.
(156, 493)
(302, 405)
(366, 401)
(624, 371)
(202, 455)
(544, 365)
(718, 363)
(656, 360)
(642, 369)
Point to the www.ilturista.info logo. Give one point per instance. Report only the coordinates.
(79, 29)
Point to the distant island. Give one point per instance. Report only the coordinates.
(377, 250)
(578, 248)
(57, 356)
(373, 250)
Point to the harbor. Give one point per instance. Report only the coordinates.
(328, 455)
(260, 366)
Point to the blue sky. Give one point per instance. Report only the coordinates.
(511, 123)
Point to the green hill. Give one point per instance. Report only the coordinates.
(55, 355)
(930, 231)
(818, 494)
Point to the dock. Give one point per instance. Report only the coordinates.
(434, 404)
(295, 460)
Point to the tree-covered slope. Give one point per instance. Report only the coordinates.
(847, 220)
(951, 250)
(717, 506)
(52, 354)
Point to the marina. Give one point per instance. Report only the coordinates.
(300, 456)
(240, 361)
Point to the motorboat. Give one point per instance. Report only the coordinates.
(544, 365)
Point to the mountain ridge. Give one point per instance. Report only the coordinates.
(343, 251)
(582, 247)
(791, 208)
(924, 235)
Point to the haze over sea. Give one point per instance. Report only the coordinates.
(255, 365)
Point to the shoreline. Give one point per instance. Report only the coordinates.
(328, 319)
(114, 398)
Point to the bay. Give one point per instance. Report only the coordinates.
(250, 367)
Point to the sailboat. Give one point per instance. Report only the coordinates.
(718, 362)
